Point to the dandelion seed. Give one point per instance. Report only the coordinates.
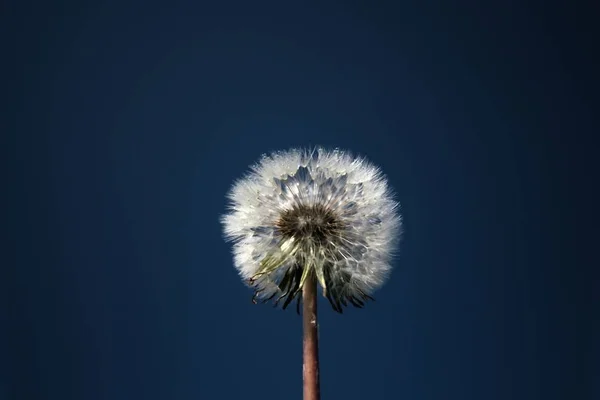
(317, 212)
(305, 217)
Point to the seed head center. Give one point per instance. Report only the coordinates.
(314, 223)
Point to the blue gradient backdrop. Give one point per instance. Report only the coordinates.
(128, 123)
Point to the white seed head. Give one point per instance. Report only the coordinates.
(300, 212)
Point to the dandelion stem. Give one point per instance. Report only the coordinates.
(310, 370)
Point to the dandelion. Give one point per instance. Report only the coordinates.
(303, 217)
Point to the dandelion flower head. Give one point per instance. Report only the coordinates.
(303, 212)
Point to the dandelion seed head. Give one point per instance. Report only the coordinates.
(302, 211)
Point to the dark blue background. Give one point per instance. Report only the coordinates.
(128, 123)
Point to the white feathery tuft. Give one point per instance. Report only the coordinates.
(299, 211)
